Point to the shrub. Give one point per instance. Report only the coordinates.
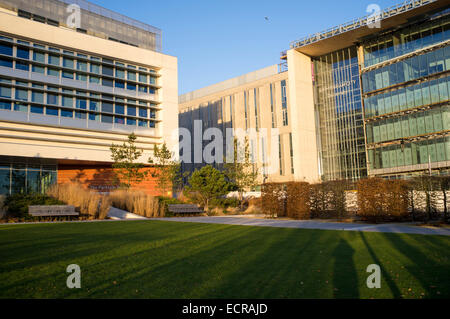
(17, 204)
(297, 200)
(328, 199)
(225, 202)
(137, 202)
(380, 199)
(273, 198)
(89, 203)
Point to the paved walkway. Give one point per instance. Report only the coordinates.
(310, 224)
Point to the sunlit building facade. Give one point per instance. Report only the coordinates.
(369, 97)
(67, 94)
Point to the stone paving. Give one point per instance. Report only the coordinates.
(311, 224)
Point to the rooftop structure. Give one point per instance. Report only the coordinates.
(347, 34)
(95, 20)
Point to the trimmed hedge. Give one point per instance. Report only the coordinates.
(273, 199)
(297, 200)
(382, 200)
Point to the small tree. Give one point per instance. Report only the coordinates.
(206, 184)
(241, 170)
(167, 169)
(125, 157)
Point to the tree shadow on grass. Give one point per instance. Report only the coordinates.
(385, 274)
(431, 275)
(345, 277)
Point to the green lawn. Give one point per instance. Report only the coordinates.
(156, 259)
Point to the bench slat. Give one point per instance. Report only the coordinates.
(54, 210)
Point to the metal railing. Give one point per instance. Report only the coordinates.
(361, 22)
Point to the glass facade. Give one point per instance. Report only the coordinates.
(339, 108)
(408, 39)
(17, 177)
(406, 101)
(139, 88)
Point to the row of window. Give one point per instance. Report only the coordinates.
(430, 121)
(436, 150)
(75, 93)
(77, 114)
(425, 93)
(120, 84)
(406, 70)
(406, 41)
(79, 102)
(25, 45)
(26, 178)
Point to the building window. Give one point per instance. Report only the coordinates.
(106, 70)
(272, 107)
(81, 66)
(120, 84)
(94, 79)
(284, 103)
(51, 111)
(120, 109)
(95, 68)
(5, 106)
(53, 72)
(38, 69)
(291, 148)
(37, 97)
(143, 78)
(131, 122)
(280, 154)
(107, 119)
(53, 59)
(66, 113)
(39, 57)
(245, 110)
(5, 91)
(142, 112)
(107, 82)
(120, 73)
(21, 95)
(37, 109)
(21, 107)
(6, 49)
(52, 99)
(8, 63)
(23, 53)
(131, 76)
(68, 63)
(131, 110)
(107, 107)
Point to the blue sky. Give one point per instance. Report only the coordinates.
(215, 40)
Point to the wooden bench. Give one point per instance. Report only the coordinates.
(184, 209)
(52, 211)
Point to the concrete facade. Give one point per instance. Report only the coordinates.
(146, 105)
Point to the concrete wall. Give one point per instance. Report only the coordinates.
(197, 108)
(303, 117)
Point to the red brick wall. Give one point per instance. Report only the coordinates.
(101, 178)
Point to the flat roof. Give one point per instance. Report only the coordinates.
(347, 34)
(229, 84)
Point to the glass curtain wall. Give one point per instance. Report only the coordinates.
(338, 105)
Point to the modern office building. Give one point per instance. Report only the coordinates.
(70, 88)
(366, 98)
(257, 104)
